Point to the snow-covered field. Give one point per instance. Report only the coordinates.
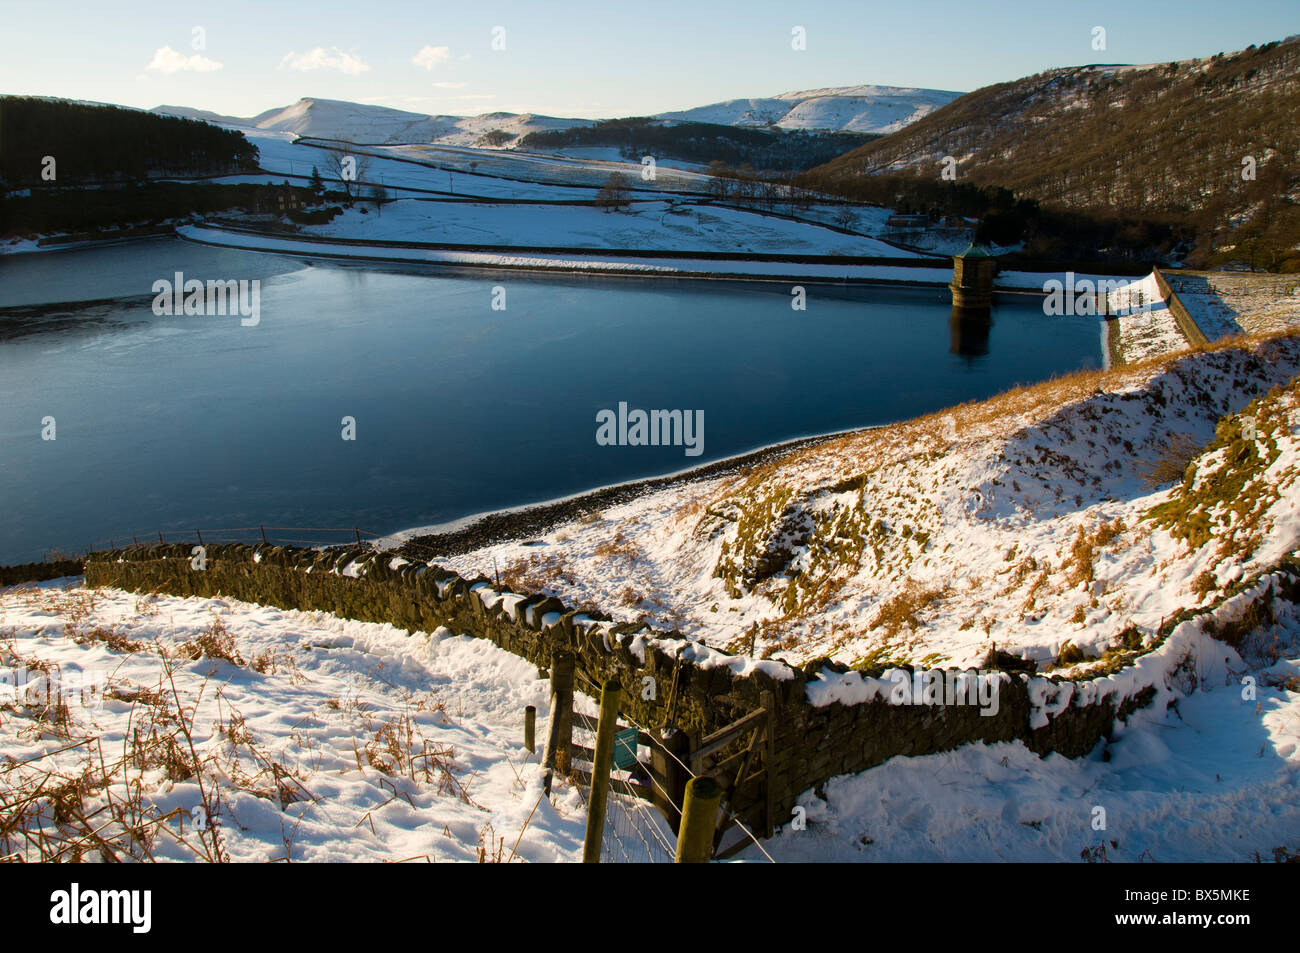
(313, 738)
(542, 261)
(1227, 303)
(281, 155)
(215, 729)
(645, 225)
(551, 169)
(1213, 779)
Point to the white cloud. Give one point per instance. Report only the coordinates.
(167, 60)
(321, 58)
(449, 85)
(431, 56)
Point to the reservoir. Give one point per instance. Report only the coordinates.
(171, 423)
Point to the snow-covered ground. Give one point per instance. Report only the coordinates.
(1227, 303)
(1147, 326)
(280, 154)
(552, 169)
(318, 739)
(1213, 779)
(541, 261)
(321, 739)
(613, 154)
(645, 225)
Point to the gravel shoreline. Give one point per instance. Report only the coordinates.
(541, 518)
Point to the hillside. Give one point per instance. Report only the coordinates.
(860, 109)
(360, 123)
(96, 143)
(1156, 140)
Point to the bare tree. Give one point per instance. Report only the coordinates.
(614, 194)
(349, 170)
(720, 180)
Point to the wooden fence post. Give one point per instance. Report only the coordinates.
(699, 821)
(606, 727)
(668, 757)
(768, 701)
(559, 733)
(530, 728)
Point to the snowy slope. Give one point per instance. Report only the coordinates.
(315, 738)
(849, 109)
(734, 112)
(865, 109)
(1212, 779)
(312, 738)
(360, 123)
(646, 225)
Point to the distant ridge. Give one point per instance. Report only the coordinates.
(862, 109)
(362, 123)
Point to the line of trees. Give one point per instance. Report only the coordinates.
(766, 190)
(61, 211)
(772, 148)
(47, 142)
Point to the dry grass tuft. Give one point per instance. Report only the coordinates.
(216, 642)
(903, 610)
(1081, 560)
(1170, 462)
(1204, 584)
(537, 574)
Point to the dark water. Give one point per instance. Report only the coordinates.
(176, 423)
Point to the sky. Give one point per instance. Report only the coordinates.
(582, 59)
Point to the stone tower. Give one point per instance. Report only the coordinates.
(972, 278)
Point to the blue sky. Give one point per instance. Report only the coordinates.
(583, 59)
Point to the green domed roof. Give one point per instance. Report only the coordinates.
(975, 251)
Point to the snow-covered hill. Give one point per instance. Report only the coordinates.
(361, 123)
(866, 109)
(845, 109)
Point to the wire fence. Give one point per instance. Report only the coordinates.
(636, 832)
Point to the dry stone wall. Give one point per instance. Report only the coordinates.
(828, 719)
